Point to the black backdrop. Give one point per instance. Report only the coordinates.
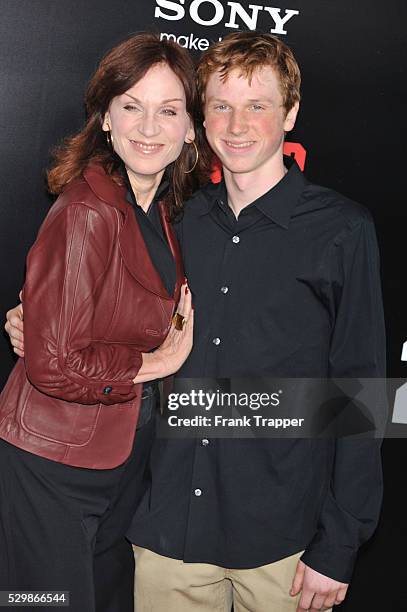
(350, 123)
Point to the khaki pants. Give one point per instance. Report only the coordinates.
(169, 585)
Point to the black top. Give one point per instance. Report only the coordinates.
(290, 289)
(153, 234)
(161, 256)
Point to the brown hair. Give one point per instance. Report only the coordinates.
(246, 52)
(119, 70)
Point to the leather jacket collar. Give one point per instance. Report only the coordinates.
(131, 241)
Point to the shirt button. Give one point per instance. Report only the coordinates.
(205, 442)
(236, 239)
(216, 341)
(107, 390)
(224, 289)
(198, 492)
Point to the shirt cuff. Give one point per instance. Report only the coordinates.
(337, 563)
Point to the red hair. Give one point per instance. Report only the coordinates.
(118, 71)
(247, 52)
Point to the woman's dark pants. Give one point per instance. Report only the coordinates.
(62, 528)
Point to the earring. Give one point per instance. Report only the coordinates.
(196, 160)
(109, 138)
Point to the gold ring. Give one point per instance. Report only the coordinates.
(179, 321)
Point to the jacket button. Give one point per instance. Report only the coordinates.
(107, 390)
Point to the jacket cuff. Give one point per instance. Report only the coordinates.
(118, 391)
(117, 394)
(116, 382)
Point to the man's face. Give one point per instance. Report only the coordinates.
(245, 123)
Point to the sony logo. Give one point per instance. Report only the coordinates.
(173, 10)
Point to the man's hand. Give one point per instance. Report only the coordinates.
(318, 591)
(15, 328)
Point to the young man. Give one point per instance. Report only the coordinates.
(285, 281)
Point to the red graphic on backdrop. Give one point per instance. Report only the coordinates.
(293, 149)
(296, 150)
(216, 175)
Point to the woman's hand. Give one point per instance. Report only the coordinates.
(173, 352)
(15, 329)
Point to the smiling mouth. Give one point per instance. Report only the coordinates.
(239, 145)
(146, 148)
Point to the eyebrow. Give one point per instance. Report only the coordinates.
(162, 102)
(213, 99)
(260, 100)
(172, 100)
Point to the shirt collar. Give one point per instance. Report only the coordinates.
(161, 192)
(278, 203)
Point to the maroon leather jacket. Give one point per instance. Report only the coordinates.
(93, 301)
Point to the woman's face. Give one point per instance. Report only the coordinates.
(149, 122)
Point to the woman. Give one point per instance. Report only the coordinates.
(103, 279)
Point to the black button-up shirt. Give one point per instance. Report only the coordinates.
(289, 289)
